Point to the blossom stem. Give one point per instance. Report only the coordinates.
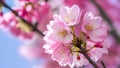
(84, 52)
(103, 64)
(109, 21)
(73, 33)
(88, 58)
(25, 21)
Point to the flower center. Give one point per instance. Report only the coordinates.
(63, 33)
(75, 49)
(68, 18)
(88, 27)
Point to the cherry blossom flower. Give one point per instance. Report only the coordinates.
(58, 32)
(62, 50)
(61, 37)
(78, 60)
(94, 28)
(70, 16)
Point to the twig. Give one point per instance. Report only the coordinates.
(103, 64)
(105, 16)
(25, 21)
(84, 52)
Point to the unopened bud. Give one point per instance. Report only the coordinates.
(98, 45)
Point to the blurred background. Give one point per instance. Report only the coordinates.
(9, 48)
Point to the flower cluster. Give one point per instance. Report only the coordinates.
(67, 28)
(28, 10)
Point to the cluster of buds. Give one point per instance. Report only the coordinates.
(71, 32)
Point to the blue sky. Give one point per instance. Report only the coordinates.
(9, 56)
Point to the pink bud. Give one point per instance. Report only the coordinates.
(98, 45)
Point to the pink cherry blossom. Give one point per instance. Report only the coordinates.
(94, 28)
(62, 55)
(70, 16)
(97, 52)
(61, 36)
(85, 5)
(58, 32)
(78, 60)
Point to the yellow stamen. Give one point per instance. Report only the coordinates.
(89, 27)
(63, 33)
(68, 19)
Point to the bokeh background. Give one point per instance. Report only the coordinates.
(9, 45)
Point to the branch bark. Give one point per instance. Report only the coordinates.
(104, 66)
(84, 52)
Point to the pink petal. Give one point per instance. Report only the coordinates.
(63, 12)
(62, 55)
(75, 12)
(98, 35)
(68, 38)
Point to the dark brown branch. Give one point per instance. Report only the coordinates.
(89, 59)
(46, 0)
(105, 16)
(25, 21)
(84, 52)
(103, 64)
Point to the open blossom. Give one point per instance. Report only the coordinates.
(70, 16)
(58, 32)
(94, 28)
(62, 50)
(78, 60)
(61, 37)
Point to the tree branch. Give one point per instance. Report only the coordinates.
(105, 16)
(89, 59)
(103, 64)
(84, 52)
(25, 21)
